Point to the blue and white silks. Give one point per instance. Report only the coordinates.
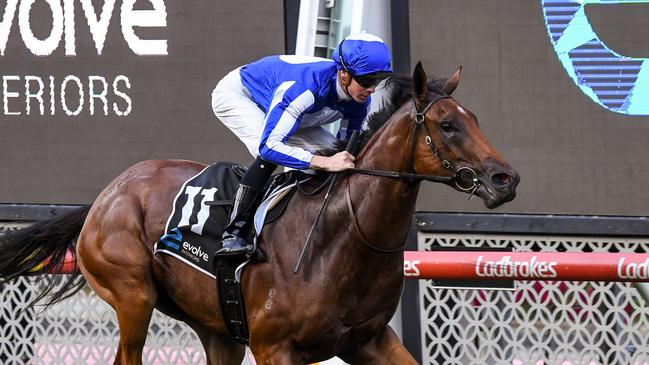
(288, 87)
(276, 106)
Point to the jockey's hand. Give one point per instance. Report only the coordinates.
(339, 162)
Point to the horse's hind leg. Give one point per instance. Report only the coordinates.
(118, 268)
(133, 316)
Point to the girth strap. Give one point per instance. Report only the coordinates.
(233, 308)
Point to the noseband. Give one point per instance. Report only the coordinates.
(419, 120)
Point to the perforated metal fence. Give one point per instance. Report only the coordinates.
(538, 322)
(81, 330)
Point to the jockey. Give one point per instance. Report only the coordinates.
(278, 105)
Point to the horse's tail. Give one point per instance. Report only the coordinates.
(42, 248)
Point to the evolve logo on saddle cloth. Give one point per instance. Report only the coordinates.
(200, 212)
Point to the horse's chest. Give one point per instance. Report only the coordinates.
(331, 336)
(351, 318)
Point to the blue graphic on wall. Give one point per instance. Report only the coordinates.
(614, 81)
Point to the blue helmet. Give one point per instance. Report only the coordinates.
(362, 54)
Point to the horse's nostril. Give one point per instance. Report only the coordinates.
(502, 180)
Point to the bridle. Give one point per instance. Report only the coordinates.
(419, 120)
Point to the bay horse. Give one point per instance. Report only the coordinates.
(349, 287)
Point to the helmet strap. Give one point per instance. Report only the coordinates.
(340, 56)
(342, 63)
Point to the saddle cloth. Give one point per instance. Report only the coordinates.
(202, 208)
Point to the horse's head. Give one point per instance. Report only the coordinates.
(448, 139)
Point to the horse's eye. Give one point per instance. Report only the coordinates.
(446, 126)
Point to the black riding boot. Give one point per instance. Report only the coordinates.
(245, 202)
(232, 242)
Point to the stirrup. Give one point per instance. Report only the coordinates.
(234, 245)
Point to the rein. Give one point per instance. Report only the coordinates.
(401, 175)
(419, 119)
(350, 208)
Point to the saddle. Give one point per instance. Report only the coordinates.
(201, 211)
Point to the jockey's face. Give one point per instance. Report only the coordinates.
(354, 89)
(358, 92)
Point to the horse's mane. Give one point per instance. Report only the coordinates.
(399, 89)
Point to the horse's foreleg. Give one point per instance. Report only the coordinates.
(276, 355)
(219, 349)
(382, 349)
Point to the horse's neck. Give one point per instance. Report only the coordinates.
(389, 148)
(388, 203)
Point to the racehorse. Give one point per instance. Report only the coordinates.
(340, 303)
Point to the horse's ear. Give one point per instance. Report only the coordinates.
(420, 83)
(452, 82)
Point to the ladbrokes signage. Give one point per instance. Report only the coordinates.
(89, 87)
